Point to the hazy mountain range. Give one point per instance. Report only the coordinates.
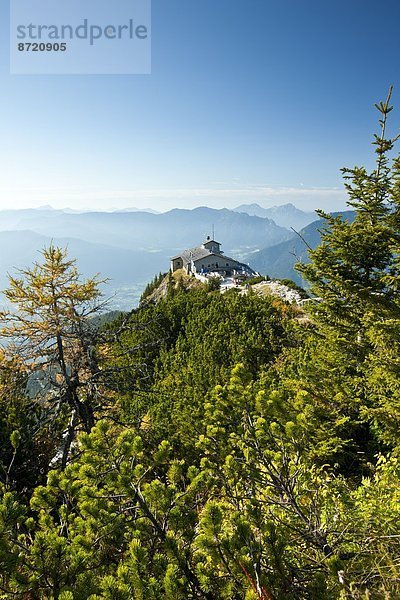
(129, 247)
(285, 215)
(169, 232)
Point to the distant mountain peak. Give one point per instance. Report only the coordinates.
(45, 207)
(285, 215)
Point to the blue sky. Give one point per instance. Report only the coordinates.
(248, 101)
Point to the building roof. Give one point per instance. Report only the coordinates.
(211, 241)
(193, 254)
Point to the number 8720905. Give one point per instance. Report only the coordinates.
(42, 47)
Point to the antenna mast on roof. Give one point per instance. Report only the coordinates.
(213, 232)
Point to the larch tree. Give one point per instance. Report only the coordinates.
(52, 333)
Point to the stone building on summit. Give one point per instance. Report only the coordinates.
(209, 258)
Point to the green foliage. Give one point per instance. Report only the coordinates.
(152, 286)
(190, 343)
(25, 444)
(259, 279)
(213, 284)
